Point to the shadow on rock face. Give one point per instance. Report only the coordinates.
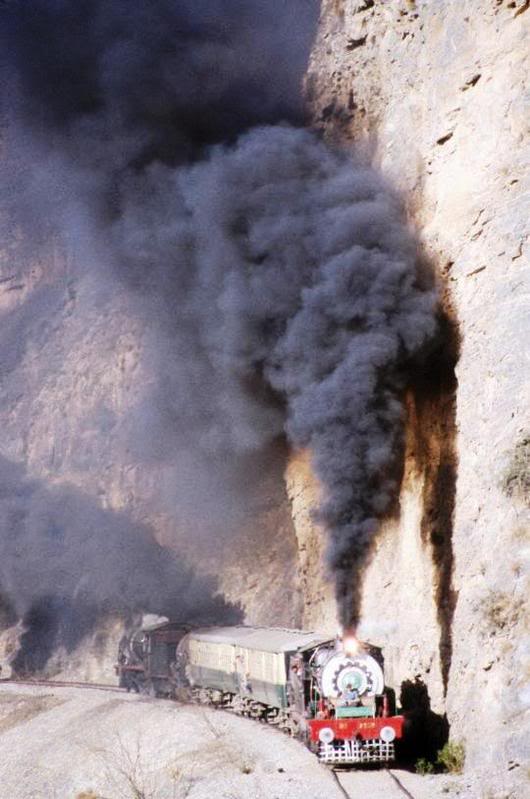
(66, 565)
(435, 437)
(425, 731)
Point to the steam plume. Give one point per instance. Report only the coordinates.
(279, 277)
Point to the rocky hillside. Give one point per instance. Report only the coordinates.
(436, 94)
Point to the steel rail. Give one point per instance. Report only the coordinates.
(340, 786)
(399, 783)
(62, 684)
(396, 780)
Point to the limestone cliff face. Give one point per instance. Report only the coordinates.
(315, 588)
(437, 95)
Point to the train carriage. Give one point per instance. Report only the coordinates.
(251, 662)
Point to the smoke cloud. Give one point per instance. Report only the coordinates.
(65, 562)
(278, 276)
(306, 311)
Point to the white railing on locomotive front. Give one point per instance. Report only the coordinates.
(371, 751)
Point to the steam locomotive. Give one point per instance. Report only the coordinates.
(328, 692)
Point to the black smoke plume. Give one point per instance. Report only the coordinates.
(278, 276)
(305, 284)
(65, 563)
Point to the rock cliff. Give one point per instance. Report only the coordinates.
(436, 95)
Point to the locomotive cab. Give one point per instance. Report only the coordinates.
(146, 657)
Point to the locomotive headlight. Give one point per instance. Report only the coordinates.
(326, 735)
(350, 645)
(387, 734)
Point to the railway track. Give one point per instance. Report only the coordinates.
(392, 787)
(340, 786)
(399, 784)
(63, 684)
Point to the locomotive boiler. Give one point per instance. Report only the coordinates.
(327, 691)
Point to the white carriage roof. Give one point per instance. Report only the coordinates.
(268, 639)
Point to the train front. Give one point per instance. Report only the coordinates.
(352, 714)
